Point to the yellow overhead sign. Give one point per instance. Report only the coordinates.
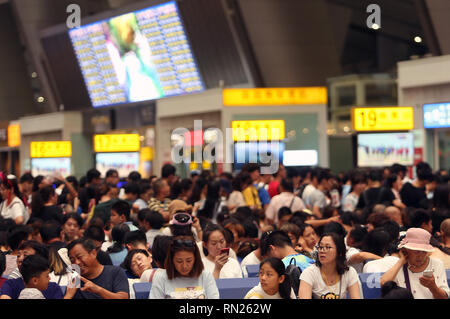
(116, 143)
(274, 96)
(193, 166)
(206, 165)
(267, 130)
(14, 135)
(383, 118)
(147, 154)
(51, 149)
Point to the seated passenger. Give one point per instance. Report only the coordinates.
(184, 276)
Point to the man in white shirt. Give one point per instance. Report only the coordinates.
(285, 198)
(314, 193)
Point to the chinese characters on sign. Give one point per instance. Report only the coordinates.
(382, 118)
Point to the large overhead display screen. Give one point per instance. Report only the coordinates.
(48, 166)
(142, 55)
(385, 149)
(124, 163)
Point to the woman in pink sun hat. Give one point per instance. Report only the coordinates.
(425, 277)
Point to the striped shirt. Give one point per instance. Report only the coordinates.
(156, 205)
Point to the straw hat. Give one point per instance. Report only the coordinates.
(178, 205)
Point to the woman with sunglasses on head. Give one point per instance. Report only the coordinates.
(184, 276)
(12, 206)
(330, 277)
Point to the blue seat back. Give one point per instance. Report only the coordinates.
(252, 270)
(142, 289)
(370, 284)
(448, 276)
(229, 288)
(235, 288)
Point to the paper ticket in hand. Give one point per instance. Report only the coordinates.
(74, 276)
(11, 265)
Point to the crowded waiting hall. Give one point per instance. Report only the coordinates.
(319, 235)
(224, 149)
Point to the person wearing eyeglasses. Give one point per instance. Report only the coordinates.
(330, 277)
(218, 260)
(184, 276)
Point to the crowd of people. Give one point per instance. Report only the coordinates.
(310, 232)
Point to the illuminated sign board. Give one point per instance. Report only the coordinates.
(104, 143)
(138, 56)
(147, 154)
(123, 162)
(436, 115)
(300, 158)
(51, 149)
(368, 119)
(14, 135)
(264, 130)
(48, 166)
(274, 96)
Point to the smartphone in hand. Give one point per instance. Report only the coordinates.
(428, 273)
(225, 251)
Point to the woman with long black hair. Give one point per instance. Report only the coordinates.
(330, 277)
(184, 276)
(12, 205)
(210, 208)
(441, 206)
(118, 251)
(44, 205)
(198, 194)
(273, 282)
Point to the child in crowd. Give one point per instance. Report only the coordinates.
(35, 273)
(273, 283)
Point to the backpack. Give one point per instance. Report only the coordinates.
(293, 272)
(300, 190)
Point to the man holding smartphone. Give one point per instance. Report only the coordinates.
(425, 277)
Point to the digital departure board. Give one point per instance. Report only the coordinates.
(436, 115)
(138, 56)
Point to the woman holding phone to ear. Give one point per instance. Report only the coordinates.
(217, 259)
(425, 277)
